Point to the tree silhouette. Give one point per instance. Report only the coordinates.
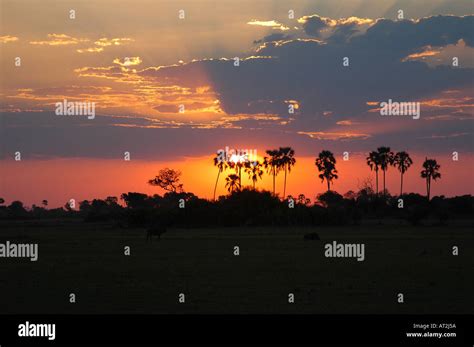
(2, 201)
(45, 203)
(221, 167)
(254, 170)
(232, 183)
(272, 164)
(430, 172)
(373, 160)
(402, 162)
(287, 160)
(238, 162)
(168, 179)
(326, 164)
(386, 159)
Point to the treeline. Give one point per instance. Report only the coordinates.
(249, 207)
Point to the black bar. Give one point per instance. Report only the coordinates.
(239, 329)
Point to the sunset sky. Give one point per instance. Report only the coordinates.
(138, 61)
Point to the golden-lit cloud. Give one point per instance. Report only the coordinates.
(128, 61)
(320, 135)
(90, 50)
(100, 44)
(8, 38)
(269, 23)
(105, 42)
(427, 52)
(59, 40)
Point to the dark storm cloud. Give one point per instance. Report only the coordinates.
(314, 24)
(312, 71)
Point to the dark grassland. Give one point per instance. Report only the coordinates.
(88, 260)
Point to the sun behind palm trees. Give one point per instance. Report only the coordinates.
(326, 164)
(402, 162)
(430, 172)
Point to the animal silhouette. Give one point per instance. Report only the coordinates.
(155, 230)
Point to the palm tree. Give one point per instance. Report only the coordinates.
(254, 170)
(221, 166)
(326, 164)
(402, 162)
(373, 160)
(232, 183)
(45, 203)
(272, 164)
(287, 160)
(386, 159)
(430, 172)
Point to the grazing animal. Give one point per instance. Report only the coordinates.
(311, 236)
(157, 230)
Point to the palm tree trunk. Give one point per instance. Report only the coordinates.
(284, 186)
(377, 181)
(273, 180)
(215, 187)
(240, 177)
(428, 187)
(383, 182)
(401, 185)
(253, 184)
(329, 185)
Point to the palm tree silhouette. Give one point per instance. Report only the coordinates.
(221, 166)
(373, 160)
(232, 183)
(402, 162)
(254, 170)
(287, 160)
(326, 164)
(430, 172)
(386, 159)
(272, 164)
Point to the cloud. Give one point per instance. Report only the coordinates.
(269, 23)
(334, 101)
(337, 30)
(90, 50)
(273, 37)
(8, 38)
(128, 61)
(59, 40)
(105, 42)
(347, 136)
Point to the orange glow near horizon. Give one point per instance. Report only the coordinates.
(58, 180)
